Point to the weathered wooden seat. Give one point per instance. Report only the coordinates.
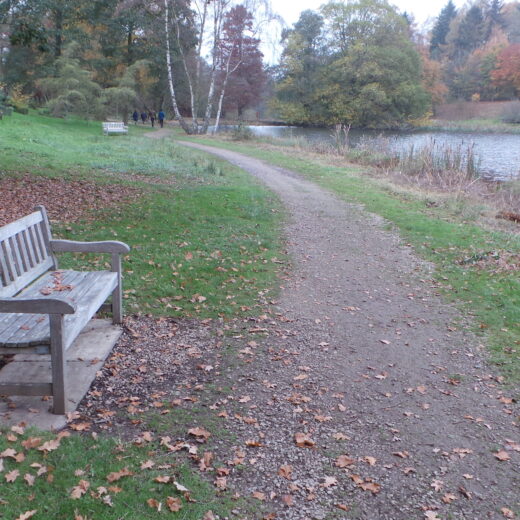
(43, 309)
(110, 127)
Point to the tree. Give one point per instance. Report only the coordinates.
(241, 74)
(469, 35)
(301, 62)
(368, 71)
(441, 29)
(507, 72)
(71, 90)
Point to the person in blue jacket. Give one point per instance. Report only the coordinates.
(144, 115)
(135, 116)
(161, 116)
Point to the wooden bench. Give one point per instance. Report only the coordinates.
(114, 128)
(43, 309)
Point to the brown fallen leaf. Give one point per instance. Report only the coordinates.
(154, 504)
(162, 479)
(288, 500)
(329, 482)
(370, 486)
(258, 495)
(173, 504)
(285, 471)
(27, 515)
(79, 490)
(507, 512)
(116, 475)
(12, 475)
(343, 507)
(201, 434)
(448, 498)
(147, 464)
(502, 455)
(343, 461)
(221, 483)
(303, 440)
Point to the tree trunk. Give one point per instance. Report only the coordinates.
(176, 111)
(58, 28)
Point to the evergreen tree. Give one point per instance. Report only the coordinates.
(493, 17)
(441, 29)
(470, 34)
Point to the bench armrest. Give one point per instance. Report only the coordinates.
(36, 306)
(72, 246)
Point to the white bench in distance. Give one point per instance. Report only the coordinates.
(114, 127)
(43, 309)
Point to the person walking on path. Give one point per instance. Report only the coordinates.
(143, 116)
(161, 118)
(151, 115)
(135, 116)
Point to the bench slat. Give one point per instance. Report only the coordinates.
(90, 290)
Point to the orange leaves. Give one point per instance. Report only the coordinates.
(303, 440)
(117, 475)
(366, 484)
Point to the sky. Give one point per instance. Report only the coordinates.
(422, 10)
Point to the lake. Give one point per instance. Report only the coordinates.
(498, 154)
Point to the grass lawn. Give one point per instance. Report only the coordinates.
(203, 236)
(471, 262)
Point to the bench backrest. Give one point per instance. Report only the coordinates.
(113, 125)
(24, 252)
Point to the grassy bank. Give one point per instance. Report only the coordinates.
(489, 126)
(203, 236)
(475, 268)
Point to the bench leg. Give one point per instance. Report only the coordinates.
(117, 296)
(58, 364)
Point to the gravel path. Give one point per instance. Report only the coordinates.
(363, 394)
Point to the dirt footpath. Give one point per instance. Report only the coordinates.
(362, 395)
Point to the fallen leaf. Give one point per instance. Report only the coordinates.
(154, 504)
(201, 434)
(221, 483)
(79, 490)
(258, 495)
(288, 500)
(344, 461)
(162, 479)
(148, 464)
(502, 455)
(29, 479)
(343, 507)
(173, 504)
(507, 512)
(116, 475)
(285, 471)
(370, 486)
(303, 440)
(448, 498)
(329, 482)
(27, 515)
(12, 475)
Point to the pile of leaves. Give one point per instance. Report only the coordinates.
(66, 201)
